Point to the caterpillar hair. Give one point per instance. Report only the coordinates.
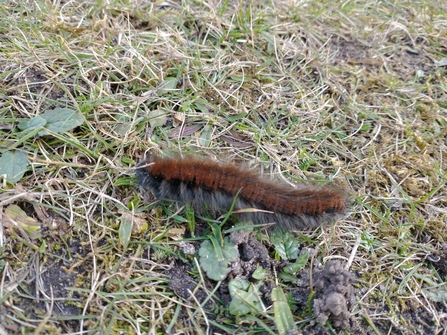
(206, 184)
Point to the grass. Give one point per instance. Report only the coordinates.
(346, 91)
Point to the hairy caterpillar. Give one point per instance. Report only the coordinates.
(208, 184)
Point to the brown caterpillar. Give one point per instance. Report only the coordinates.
(208, 184)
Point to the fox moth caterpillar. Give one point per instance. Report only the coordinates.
(211, 185)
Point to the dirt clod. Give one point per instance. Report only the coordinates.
(334, 295)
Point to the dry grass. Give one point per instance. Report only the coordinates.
(351, 91)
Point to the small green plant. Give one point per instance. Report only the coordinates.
(282, 313)
(14, 163)
(289, 272)
(217, 252)
(57, 120)
(286, 245)
(245, 297)
(215, 256)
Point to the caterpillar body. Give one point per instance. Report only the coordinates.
(212, 186)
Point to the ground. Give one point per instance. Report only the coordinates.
(352, 93)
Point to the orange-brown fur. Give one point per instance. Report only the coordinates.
(200, 181)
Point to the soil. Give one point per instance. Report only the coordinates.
(334, 296)
(51, 293)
